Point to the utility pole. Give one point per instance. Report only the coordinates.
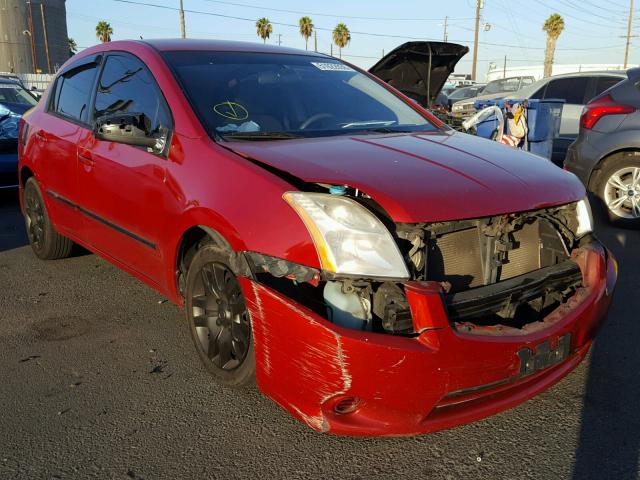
(446, 20)
(183, 30)
(504, 68)
(332, 49)
(315, 40)
(33, 42)
(279, 39)
(475, 41)
(626, 50)
(46, 37)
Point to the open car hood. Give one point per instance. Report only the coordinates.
(419, 69)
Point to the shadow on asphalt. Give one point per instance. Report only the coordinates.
(12, 231)
(609, 441)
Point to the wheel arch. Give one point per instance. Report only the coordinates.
(191, 238)
(597, 169)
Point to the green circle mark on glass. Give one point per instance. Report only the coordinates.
(231, 110)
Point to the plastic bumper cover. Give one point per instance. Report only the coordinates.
(405, 386)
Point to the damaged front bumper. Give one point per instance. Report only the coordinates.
(351, 382)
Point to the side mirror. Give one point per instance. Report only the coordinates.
(128, 128)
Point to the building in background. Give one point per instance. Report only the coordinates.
(33, 35)
(496, 71)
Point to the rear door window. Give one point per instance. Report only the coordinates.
(73, 91)
(571, 90)
(126, 86)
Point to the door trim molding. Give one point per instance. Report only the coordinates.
(102, 220)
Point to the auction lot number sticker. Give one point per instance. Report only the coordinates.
(332, 67)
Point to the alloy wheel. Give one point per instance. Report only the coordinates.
(35, 217)
(622, 193)
(220, 316)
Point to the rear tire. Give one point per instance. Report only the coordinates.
(618, 188)
(46, 243)
(218, 317)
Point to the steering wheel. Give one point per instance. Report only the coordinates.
(315, 118)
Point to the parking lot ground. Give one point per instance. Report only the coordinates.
(99, 379)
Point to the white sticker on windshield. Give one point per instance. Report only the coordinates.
(334, 67)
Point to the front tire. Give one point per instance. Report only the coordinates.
(46, 243)
(619, 189)
(218, 317)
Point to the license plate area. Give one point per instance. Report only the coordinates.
(545, 355)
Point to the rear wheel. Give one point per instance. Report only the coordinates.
(619, 189)
(46, 243)
(218, 317)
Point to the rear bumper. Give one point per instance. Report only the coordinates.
(405, 386)
(581, 158)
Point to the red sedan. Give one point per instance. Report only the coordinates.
(375, 272)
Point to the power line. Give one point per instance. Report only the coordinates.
(300, 12)
(568, 15)
(381, 35)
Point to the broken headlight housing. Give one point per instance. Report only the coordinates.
(584, 218)
(349, 239)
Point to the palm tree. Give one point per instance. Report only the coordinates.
(264, 28)
(341, 36)
(306, 29)
(104, 31)
(73, 47)
(553, 26)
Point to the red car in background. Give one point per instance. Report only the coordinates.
(376, 272)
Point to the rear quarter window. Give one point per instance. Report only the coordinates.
(604, 83)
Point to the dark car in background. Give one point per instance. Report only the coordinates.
(14, 101)
(606, 154)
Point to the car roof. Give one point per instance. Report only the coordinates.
(191, 44)
(525, 92)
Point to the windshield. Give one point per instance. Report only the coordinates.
(14, 93)
(503, 85)
(262, 95)
(463, 93)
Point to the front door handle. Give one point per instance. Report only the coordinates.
(86, 160)
(41, 136)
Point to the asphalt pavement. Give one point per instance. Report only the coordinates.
(99, 379)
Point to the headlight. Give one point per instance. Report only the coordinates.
(584, 218)
(457, 107)
(349, 239)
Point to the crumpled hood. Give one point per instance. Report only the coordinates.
(424, 177)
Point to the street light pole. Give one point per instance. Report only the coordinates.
(446, 19)
(46, 37)
(33, 42)
(183, 31)
(626, 50)
(475, 41)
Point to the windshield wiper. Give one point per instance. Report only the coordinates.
(381, 130)
(259, 136)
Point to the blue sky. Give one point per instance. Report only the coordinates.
(594, 28)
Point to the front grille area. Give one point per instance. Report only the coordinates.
(468, 258)
(455, 258)
(473, 253)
